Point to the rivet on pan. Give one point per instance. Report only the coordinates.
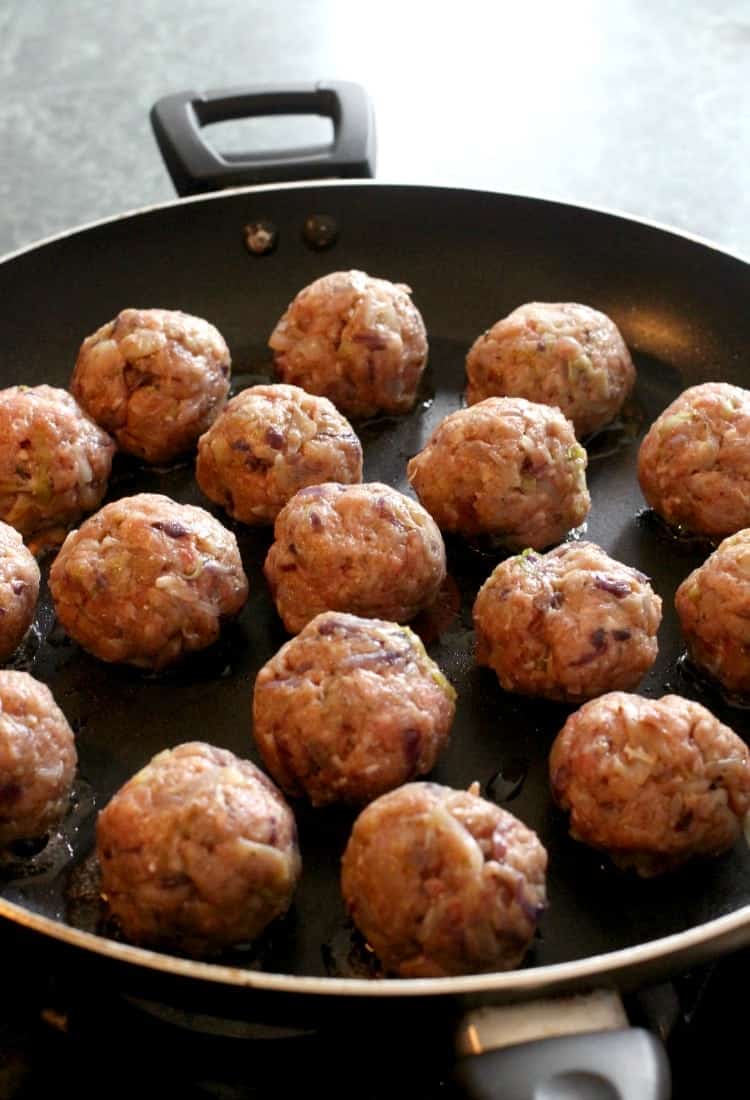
(320, 231)
(261, 237)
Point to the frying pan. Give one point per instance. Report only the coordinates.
(470, 257)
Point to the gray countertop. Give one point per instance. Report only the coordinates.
(641, 106)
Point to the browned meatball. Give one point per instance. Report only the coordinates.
(713, 605)
(269, 442)
(442, 882)
(54, 461)
(146, 581)
(19, 589)
(366, 549)
(357, 340)
(349, 709)
(506, 467)
(653, 782)
(694, 463)
(556, 353)
(198, 851)
(567, 625)
(155, 379)
(37, 758)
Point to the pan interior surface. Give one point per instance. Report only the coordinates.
(469, 258)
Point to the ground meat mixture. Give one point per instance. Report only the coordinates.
(54, 461)
(713, 605)
(155, 379)
(198, 851)
(441, 882)
(37, 759)
(349, 709)
(556, 353)
(694, 463)
(357, 340)
(366, 549)
(19, 590)
(269, 442)
(146, 581)
(653, 782)
(567, 625)
(506, 467)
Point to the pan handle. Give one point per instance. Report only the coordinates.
(178, 120)
(558, 1049)
(626, 1065)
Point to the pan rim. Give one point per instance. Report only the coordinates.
(593, 968)
(665, 950)
(334, 184)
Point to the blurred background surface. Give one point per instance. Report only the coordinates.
(633, 105)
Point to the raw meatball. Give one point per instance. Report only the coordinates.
(367, 549)
(357, 340)
(198, 851)
(506, 467)
(713, 605)
(566, 625)
(155, 379)
(652, 782)
(442, 882)
(19, 590)
(349, 709)
(269, 442)
(147, 580)
(54, 461)
(556, 353)
(37, 759)
(694, 463)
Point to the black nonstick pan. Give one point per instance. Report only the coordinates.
(469, 257)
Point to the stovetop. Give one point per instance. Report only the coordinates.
(64, 1032)
(67, 1028)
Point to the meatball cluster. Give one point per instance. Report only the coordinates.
(694, 463)
(54, 461)
(366, 549)
(713, 605)
(653, 782)
(269, 442)
(37, 759)
(556, 353)
(19, 590)
(198, 851)
(567, 625)
(355, 339)
(349, 709)
(146, 581)
(506, 467)
(155, 379)
(442, 882)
